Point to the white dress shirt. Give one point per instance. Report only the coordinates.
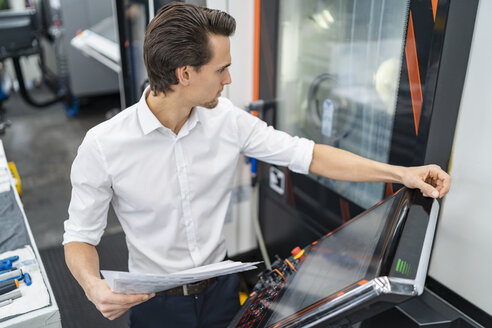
(170, 192)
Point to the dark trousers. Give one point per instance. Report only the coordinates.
(213, 308)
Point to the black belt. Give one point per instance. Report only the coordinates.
(188, 289)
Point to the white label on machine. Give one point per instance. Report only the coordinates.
(327, 119)
(277, 180)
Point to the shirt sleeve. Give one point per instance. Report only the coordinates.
(273, 146)
(91, 194)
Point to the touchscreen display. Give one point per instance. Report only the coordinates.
(351, 254)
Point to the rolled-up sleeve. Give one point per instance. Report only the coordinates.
(273, 146)
(91, 194)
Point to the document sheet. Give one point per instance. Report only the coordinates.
(134, 283)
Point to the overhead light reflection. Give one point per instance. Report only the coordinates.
(326, 14)
(323, 19)
(320, 20)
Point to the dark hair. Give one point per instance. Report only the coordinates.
(179, 36)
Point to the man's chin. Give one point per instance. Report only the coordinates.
(211, 104)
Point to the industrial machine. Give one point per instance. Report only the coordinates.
(20, 37)
(382, 79)
(376, 260)
(360, 76)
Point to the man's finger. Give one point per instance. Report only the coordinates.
(131, 299)
(443, 180)
(113, 311)
(116, 314)
(428, 190)
(444, 190)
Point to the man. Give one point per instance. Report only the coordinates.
(167, 166)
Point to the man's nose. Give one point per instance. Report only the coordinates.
(227, 79)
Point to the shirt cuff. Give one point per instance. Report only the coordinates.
(303, 155)
(71, 234)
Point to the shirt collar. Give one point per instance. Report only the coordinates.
(149, 123)
(192, 120)
(147, 119)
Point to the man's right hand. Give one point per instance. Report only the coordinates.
(83, 261)
(112, 305)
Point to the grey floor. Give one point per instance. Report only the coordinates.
(42, 144)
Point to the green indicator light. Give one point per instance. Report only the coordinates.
(403, 267)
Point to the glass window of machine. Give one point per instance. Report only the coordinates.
(339, 65)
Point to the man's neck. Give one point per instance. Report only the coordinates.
(169, 110)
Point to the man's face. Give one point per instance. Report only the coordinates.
(208, 82)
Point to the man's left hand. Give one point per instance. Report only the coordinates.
(430, 179)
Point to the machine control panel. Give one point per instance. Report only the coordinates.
(267, 289)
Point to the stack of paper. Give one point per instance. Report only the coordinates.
(134, 283)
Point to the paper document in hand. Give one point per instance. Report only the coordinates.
(133, 283)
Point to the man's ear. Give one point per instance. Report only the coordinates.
(183, 74)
